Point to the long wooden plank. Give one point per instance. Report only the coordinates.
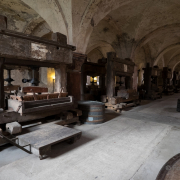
(31, 104)
(34, 89)
(35, 39)
(11, 116)
(59, 107)
(25, 62)
(49, 101)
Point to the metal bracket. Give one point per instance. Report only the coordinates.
(15, 144)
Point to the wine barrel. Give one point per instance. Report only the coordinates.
(178, 105)
(93, 112)
(171, 170)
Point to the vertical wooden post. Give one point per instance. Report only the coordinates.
(36, 75)
(82, 86)
(128, 82)
(60, 78)
(110, 85)
(83, 82)
(2, 83)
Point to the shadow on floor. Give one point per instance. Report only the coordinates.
(5, 146)
(174, 110)
(64, 147)
(61, 148)
(109, 115)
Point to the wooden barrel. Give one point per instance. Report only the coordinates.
(178, 105)
(93, 112)
(171, 170)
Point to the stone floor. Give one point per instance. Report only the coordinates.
(132, 145)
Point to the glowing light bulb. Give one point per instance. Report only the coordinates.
(95, 79)
(53, 77)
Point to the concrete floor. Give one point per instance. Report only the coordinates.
(133, 145)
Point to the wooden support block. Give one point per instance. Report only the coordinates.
(76, 112)
(67, 115)
(69, 121)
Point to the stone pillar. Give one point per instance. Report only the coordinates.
(60, 78)
(110, 80)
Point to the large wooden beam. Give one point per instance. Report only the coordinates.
(2, 83)
(36, 39)
(24, 62)
(21, 46)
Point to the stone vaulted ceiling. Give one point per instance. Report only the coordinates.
(143, 30)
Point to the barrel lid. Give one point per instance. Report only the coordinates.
(90, 103)
(170, 171)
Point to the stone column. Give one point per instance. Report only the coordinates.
(110, 80)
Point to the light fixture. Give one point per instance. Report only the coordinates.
(53, 76)
(95, 79)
